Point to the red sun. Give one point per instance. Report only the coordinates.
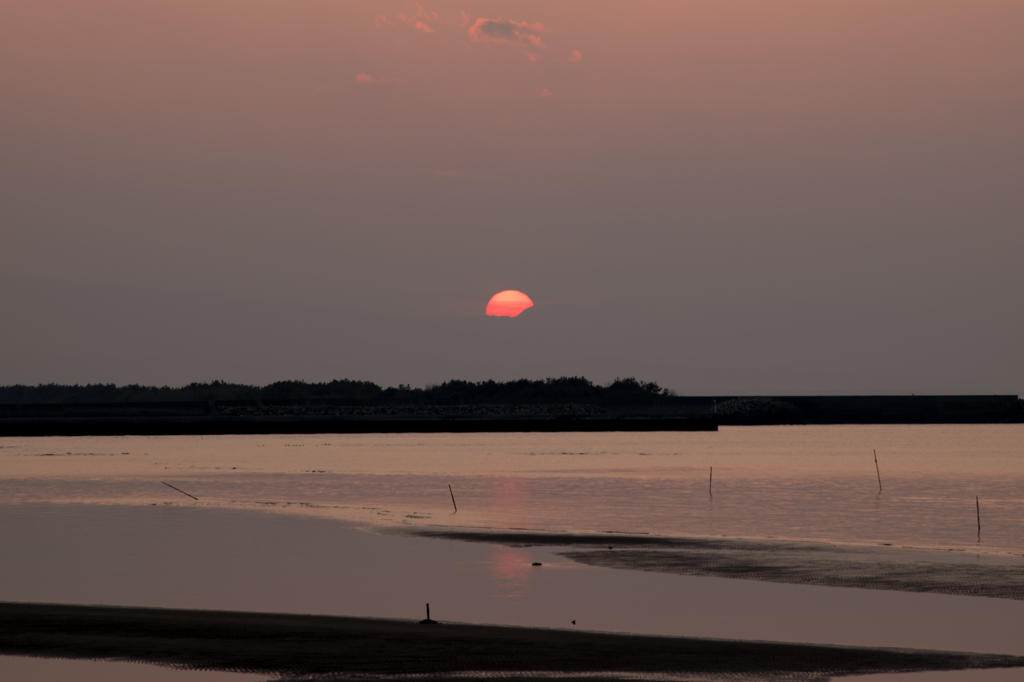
(508, 303)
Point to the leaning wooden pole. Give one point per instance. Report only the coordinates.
(977, 507)
(453, 498)
(180, 491)
(877, 472)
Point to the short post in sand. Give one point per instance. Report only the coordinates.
(977, 506)
(428, 621)
(877, 472)
(711, 474)
(453, 498)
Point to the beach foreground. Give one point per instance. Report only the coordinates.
(326, 647)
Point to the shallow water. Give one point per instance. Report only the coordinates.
(24, 669)
(238, 560)
(815, 482)
(87, 520)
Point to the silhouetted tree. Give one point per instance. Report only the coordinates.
(560, 390)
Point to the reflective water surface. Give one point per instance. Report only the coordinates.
(793, 482)
(25, 669)
(277, 527)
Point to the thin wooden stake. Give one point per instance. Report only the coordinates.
(453, 498)
(877, 472)
(711, 475)
(977, 505)
(181, 491)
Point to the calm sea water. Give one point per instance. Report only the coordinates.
(88, 520)
(815, 482)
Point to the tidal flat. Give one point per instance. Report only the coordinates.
(308, 526)
(331, 647)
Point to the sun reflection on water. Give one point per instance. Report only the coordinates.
(510, 571)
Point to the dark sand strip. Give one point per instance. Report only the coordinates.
(295, 645)
(797, 568)
(799, 563)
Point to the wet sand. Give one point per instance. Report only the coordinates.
(776, 561)
(326, 647)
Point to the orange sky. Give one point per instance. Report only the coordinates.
(649, 154)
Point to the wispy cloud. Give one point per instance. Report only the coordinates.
(415, 23)
(418, 18)
(414, 15)
(365, 79)
(575, 56)
(447, 173)
(508, 32)
(543, 92)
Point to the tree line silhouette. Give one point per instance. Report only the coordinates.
(456, 392)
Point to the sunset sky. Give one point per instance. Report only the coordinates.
(748, 196)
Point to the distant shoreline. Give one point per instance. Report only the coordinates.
(290, 646)
(211, 426)
(477, 411)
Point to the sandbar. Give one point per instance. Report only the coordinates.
(778, 561)
(331, 647)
